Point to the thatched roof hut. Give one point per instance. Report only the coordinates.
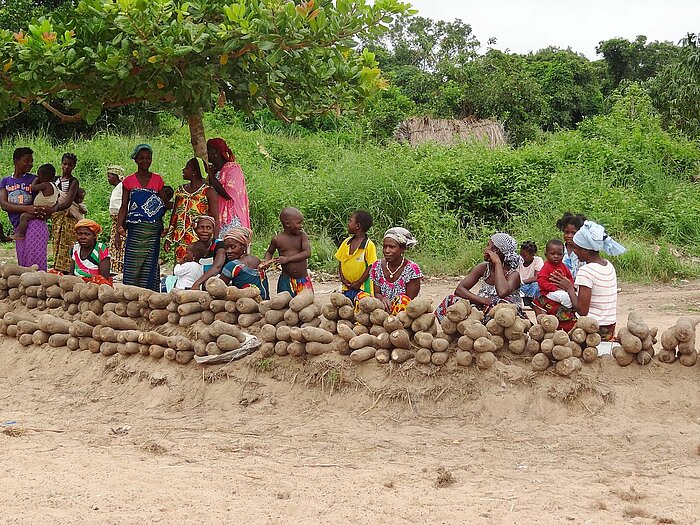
(419, 130)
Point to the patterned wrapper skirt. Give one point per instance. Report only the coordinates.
(116, 256)
(63, 239)
(141, 253)
(32, 249)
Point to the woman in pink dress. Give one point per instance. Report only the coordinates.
(229, 183)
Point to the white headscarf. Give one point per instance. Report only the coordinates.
(508, 247)
(592, 236)
(402, 236)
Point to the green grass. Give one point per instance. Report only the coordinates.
(622, 171)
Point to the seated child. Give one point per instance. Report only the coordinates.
(189, 270)
(356, 255)
(78, 210)
(294, 252)
(45, 194)
(529, 267)
(554, 252)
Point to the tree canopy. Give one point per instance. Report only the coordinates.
(295, 58)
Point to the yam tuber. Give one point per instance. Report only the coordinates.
(485, 360)
(540, 362)
(400, 355)
(463, 358)
(439, 358)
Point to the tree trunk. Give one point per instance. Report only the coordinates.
(197, 138)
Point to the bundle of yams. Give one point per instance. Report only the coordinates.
(184, 323)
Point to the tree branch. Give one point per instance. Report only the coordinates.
(64, 118)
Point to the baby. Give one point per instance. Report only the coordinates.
(294, 252)
(189, 269)
(554, 253)
(45, 194)
(78, 210)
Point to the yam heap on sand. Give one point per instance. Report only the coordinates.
(41, 308)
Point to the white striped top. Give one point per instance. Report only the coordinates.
(602, 280)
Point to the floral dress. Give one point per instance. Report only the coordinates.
(396, 291)
(186, 208)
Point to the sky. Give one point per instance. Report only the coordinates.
(528, 25)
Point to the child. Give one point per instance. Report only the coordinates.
(554, 253)
(294, 252)
(529, 268)
(45, 194)
(189, 269)
(78, 210)
(356, 255)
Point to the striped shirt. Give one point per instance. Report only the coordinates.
(90, 266)
(602, 280)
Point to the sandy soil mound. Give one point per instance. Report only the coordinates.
(134, 440)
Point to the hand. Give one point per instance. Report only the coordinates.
(118, 237)
(166, 246)
(557, 278)
(266, 264)
(387, 304)
(282, 260)
(492, 256)
(357, 285)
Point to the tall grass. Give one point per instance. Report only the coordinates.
(621, 170)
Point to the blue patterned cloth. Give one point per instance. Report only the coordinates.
(145, 205)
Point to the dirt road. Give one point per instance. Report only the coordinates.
(133, 440)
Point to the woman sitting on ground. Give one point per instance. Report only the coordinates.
(90, 258)
(241, 269)
(594, 292)
(396, 280)
(500, 279)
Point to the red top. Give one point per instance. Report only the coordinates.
(546, 271)
(131, 182)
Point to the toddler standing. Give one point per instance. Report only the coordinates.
(356, 255)
(294, 252)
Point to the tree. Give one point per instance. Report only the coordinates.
(675, 91)
(570, 84)
(297, 59)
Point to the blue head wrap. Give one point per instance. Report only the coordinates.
(592, 237)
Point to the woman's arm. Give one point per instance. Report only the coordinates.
(504, 285)
(104, 267)
(463, 289)
(213, 207)
(214, 183)
(169, 231)
(217, 265)
(68, 198)
(413, 288)
(6, 205)
(72, 268)
(121, 218)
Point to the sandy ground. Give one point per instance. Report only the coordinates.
(132, 440)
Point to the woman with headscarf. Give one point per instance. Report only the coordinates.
(396, 280)
(229, 183)
(242, 270)
(191, 200)
(140, 220)
(115, 174)
(594, 292)
(500, 279)
(90, 258)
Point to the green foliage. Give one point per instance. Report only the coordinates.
(621, 169)
(295, 60)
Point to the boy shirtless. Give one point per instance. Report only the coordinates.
(294, 252)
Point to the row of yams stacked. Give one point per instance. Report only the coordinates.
(183, 323)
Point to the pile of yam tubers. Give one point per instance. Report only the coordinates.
(64, 311)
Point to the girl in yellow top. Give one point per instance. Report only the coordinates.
(356, 255)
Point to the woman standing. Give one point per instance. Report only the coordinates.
(114, 177)
(396, 279)
(191, 200)
(140, 220)
(16, 198)
(90, 258)
(499, 276)
(594, 292)
(63, 223)
(229, 183)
